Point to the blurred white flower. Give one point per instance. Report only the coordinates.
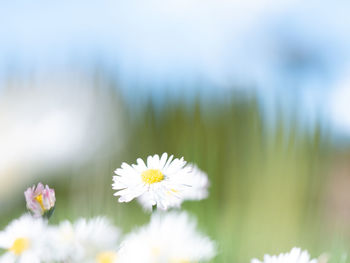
(94, 240)
(170, 237)
(296, 255)
(40, 199)
(197, 184)
(25, 241)
(159, 183)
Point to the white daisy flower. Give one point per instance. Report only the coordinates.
(161, 182)
(88, 241)
(296, 255)
(170, 237)
(25, 241)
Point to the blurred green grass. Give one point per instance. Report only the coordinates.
(267, 178)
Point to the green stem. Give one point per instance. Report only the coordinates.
(154, 208)
(49, 213)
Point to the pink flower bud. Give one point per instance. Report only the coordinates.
(40, 199)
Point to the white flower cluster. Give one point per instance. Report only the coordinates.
(33, 240)
(167, 238)
(170, 237)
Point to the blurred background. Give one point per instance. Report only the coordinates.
(256, 92)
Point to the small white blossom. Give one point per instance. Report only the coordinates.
(170, 237)
(25, 241)
(88, 241)
(296, 255)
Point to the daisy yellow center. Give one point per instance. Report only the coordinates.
(39, 198)
(152, 176)
(19, 246)
(106, 257)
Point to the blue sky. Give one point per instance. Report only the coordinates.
(287, 49)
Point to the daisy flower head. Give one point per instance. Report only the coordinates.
(40, 200)
(296, 255)
(25, 240)
(170, 237)
(88, 241)
(160, 181)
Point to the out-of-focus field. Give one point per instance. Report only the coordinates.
(270, 181)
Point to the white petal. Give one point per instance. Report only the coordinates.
(156, 161)
(163, 160)
(150, 162)
(168, 162)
